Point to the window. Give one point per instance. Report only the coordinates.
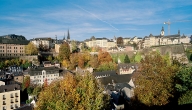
(4, 97)
(4, 108)
(11, 106)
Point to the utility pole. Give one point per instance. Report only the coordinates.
(169, 23)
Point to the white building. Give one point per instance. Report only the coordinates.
(48, 42)
(38, 75)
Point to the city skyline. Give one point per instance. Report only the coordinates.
(99, 18)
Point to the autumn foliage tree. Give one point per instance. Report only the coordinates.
(64, 51)
(26, 82)
(73, 93)
(31, 49)
(104, 57)
(154, 84)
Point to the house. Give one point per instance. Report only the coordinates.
(126, 68)
(50, 64)
(9, 96)
(38, 75)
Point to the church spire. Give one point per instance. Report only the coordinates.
(64, 37)
(68, 35)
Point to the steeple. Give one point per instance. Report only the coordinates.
(64, 37)
(162, 31)
(68, 35)
(179, 32)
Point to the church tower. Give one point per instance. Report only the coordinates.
(162, 31)
(68, 36)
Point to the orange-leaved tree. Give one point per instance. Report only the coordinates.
(73, 93)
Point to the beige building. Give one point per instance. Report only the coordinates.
(99, 42)
(161, 39)
(9, 97)
(12, 46)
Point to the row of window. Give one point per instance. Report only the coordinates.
(47, 79)
(11, 95)
(9, 51)
(11, 107)
(44, 76)
(11, 54)
(2, 47)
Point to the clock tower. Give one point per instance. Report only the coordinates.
(162, 31)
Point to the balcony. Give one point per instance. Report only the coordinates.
(16, 95)
(4, 98)
(12, 107)
(16, 100)
(12, 96)
(4, 103)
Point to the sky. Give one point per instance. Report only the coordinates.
(99, 18)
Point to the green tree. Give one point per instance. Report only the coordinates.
(74, 46)
(73, 93)
(184, 85)
(137, 57)
(107, 66)
(126, 60)
(50, 58)
(64, 51)
(154, 84)
(31, 49)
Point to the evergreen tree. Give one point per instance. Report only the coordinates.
(126, 60)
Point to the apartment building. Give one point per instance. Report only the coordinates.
(9, 97)
(12, 46)
(45, 41)
(38, 75)
(100, 42)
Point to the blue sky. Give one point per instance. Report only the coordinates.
(99, 18)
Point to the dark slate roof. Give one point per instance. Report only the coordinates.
(116, 79)
(7, 88)
(174, 36)
(127, 65)
(25, 107)
(104, 73)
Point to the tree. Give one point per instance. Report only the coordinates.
(73, 61)
(154, 84)
(31, 49)
(94, 62)
(50, 58)
(64, 51)
(104, 57)
(81, 60)
(107, 66)
(120, 41)
(184, 85)
(73, 93)
(26, 82)
(74, 46)
(137, 57)
(126, 60)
